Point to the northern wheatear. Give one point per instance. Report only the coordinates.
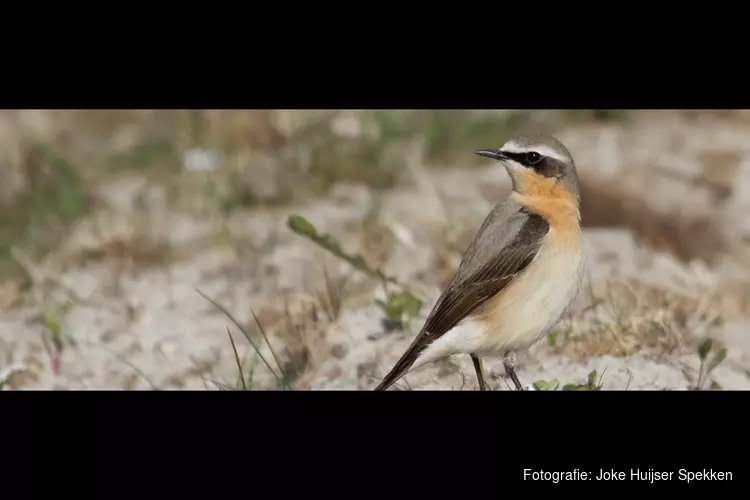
(521, 272)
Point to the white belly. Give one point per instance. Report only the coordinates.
(520, 315)
(531, 306)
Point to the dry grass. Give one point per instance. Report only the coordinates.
(628, 318)
(292, 335)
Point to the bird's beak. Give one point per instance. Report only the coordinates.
(495, 154)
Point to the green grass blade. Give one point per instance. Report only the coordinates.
(237, 360)
(245, 333)
(270, 347)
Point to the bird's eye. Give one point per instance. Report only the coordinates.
(533, 157)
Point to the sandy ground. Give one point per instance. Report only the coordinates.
(123, 286)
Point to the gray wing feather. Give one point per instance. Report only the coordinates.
(506, 244)
(506, 220)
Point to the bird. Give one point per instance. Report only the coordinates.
(521, 272)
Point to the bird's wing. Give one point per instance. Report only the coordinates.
(493, 260)
(506, 244)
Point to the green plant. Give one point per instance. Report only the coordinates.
(400, 306)
(54, 343)
(591, 384)
(706, 365)
(281, 379)
(6, 375)
(546, 385)
(552, 338)
(307, 230)
(244, 380)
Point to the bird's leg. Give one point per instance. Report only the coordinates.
(478, 368)
(509, 362)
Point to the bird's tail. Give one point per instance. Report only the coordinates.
(402, 366)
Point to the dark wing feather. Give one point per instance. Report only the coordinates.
(497, 255)
(463, 299)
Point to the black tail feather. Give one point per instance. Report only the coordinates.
(402, 366)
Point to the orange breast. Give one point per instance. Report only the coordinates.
(550, 199)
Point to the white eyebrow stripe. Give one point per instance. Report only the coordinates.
(542, 150)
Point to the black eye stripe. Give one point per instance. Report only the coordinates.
(523, 158)
(519, 157)
(544, 165)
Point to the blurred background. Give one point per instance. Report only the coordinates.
(110, 221)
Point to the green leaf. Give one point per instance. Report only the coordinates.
(413, 306)
(704, 348)
(551, 385)
(407, 303)
(571, 387)
(302, 226)
(305, 228)
(397, 312)
(7, 374)
(592, 380)
(540, 385)
(51, 323)
(552, 338)
(392, 313)
(716, 360)
(400, 304)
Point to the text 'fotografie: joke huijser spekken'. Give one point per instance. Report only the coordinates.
(647, 475)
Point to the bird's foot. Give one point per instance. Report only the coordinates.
(509, 362)
(478, 369)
